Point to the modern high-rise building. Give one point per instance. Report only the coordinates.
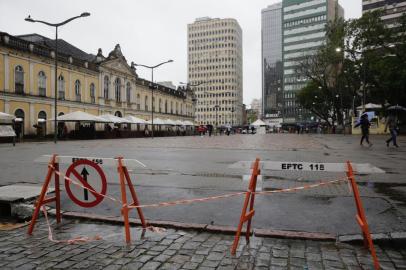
(215, 67)
(393, 9)
(272, 68)
(303, 32)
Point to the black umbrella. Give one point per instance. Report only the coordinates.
(396, 108)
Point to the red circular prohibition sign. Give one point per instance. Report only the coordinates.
(72, 170)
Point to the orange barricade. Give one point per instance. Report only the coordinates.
(249, 198)
(53, 170)
(361, 217)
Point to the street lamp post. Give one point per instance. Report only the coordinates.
(56, 25)
(152, 90)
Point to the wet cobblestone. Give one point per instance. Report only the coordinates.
(193, 250)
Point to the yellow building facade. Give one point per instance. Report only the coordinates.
(91, 83)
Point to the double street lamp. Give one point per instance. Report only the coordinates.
(56, 25)
(152, 89)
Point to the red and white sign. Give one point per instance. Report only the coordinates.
(78, 173)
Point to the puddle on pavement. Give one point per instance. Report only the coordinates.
(390, 191)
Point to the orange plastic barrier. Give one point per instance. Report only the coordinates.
(53, 170)
(361, 217)
(249, 199)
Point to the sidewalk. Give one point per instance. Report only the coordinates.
(177, 249)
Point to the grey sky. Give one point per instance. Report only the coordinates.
(149, 31)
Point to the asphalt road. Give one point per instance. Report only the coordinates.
(194, 167)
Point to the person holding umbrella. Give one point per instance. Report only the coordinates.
(392, 123)
(365, 124)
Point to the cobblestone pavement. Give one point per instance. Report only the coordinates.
(176, 249)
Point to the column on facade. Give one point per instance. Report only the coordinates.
(6, 73)
(31, 71)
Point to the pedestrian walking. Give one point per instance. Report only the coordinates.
(365, 124)
(392, 124)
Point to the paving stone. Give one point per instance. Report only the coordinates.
(144, 258)
(215, 256)
(170, 266)
(190, 265)
(197, 258)
(151, 265)
(208, 263)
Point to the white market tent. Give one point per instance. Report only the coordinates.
(5, 117)
(158, 121)
(370, 106)
(80, 116)
(259, 123)
(170, 122)
(180, 123)
(114, 119)
(188, 123)
(135, 120)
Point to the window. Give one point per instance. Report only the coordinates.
(77, 90)
(166, 106)
(92, 93)
(42, 84)
(117, 88)
(128, 92)
(146, 103)
(138, 102)
(106, 87)
(61, 87)
(19, 80)
(160, 105)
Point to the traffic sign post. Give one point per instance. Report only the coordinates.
(82, 180)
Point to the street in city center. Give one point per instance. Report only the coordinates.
(194, 167)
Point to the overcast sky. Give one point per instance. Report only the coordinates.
(148, 31)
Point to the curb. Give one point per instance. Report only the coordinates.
(230, 230)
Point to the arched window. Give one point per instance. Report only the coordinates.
(160, 105)
(128, 92)
(61, 87)
(106, 87)
(77, 90)
(176, 108)
(42, 84)
(118, 114)
(117, 88)
(19, 123)
(171, 107)
(19, 80)
(146, 103)
(92, 93)
(166, 106)
(138, 101)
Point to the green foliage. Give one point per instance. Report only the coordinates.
(370, 66)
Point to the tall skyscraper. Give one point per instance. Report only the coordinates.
(304, 23)
(272, 68)
(215, 62)
(393, 9)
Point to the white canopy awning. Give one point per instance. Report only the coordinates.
(158, 121)
(80, 116)
(188, 123)
(135, 120)
(114, 119)
(5, 117)
(370, 106)
(170, 122)
(258, 123)
(179, 123)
